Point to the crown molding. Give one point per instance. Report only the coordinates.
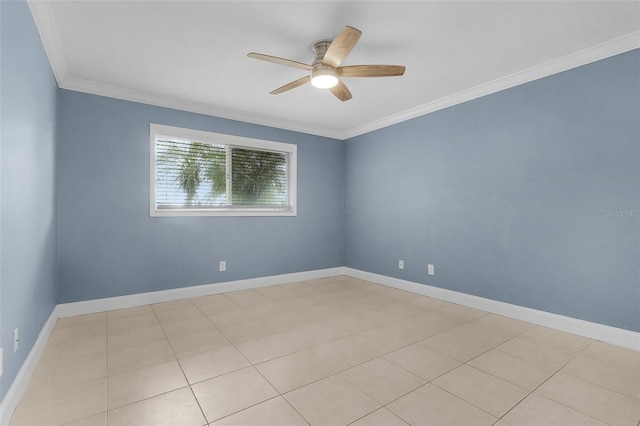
(45, 23)
(100, 89)
(46, 26)
(574, 60)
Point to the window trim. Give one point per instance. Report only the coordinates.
(220, 138)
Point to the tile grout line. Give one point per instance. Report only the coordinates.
(179, 364)
(260, 373)
(105, 377)
(596, 384)
(383, 407)
(529, 391)
(124, 372)
(549, 378)
(466, 363)
(373, 328)
(464, 400)
(331, 375)
(375, 356)
(280, 394)
(337, 373)
(448, 371)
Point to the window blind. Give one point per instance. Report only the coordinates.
(196, 175)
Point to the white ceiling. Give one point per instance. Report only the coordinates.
(191, 55)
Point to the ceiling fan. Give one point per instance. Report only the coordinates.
(326, 70)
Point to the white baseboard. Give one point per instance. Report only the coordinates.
(19, 385)
(129, 301)
(617, 336)
(613, 335)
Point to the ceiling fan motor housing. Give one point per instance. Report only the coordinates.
(319, 49)
(322, 76)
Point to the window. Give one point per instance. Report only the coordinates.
(196, 173)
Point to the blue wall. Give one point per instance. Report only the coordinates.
(515, 196)
(108, 244)
(28, 196)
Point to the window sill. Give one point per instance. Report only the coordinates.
(224, 212)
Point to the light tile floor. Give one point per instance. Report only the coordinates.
(333, 351)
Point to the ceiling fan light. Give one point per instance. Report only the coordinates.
(324, 81)
(324, 78)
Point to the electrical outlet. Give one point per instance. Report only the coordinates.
(222, 265)
(431, 269)
(16, 339)
(1, 362)
(400, 264)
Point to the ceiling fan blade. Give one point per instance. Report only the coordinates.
(341, 91)
(341, 46)
(292, 85)
(281, 61)
(371, 70)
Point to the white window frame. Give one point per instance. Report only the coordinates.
(223, 139)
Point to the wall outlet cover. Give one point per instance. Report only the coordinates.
(431, 269)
